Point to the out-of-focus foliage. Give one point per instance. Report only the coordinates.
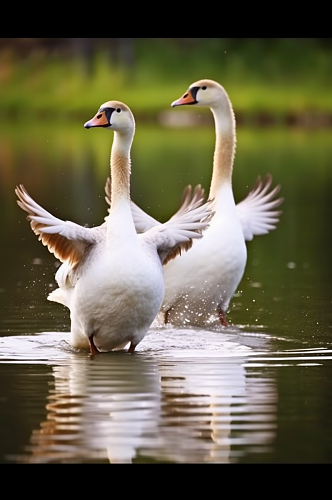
(70, 77)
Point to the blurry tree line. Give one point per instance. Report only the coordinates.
(126, 51)
(273, 76)
(119, 49)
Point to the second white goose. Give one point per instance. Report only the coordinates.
(200, 284)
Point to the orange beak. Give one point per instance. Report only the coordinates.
(99, 120)
(187, 98)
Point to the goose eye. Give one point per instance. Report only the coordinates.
(204, 87)
(118, 110)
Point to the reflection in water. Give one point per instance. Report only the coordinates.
(116, 407)
(213, 411)
(97, 410)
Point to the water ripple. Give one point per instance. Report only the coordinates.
(185, 396)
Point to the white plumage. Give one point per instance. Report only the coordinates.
(200, 284)
(111, 278)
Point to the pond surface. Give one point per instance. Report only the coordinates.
(256, 391)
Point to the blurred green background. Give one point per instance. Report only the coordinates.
(50, 86)
(284, 80)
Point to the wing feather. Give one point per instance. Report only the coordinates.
(177, 234)
(257, 210)
(66, 240)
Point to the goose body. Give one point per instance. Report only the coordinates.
(200, 284)
(204, 284)
(112, 278)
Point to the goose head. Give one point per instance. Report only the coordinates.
(113, 115)
(204, 93)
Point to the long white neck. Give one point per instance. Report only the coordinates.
(225, 145)
(120, 219)
(120, 168)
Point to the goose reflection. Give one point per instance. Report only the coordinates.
(213, 410)
(158, 407)
(98, 410)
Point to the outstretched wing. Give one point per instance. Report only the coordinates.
(257, 211)
(190, 199)
(177, 234)
(66, 240)
(143, 222)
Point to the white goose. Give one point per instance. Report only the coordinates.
(200, 284)
(112, 278)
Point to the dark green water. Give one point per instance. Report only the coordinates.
(258, 391)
